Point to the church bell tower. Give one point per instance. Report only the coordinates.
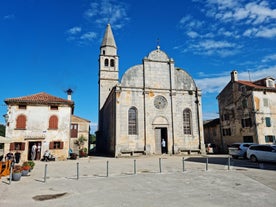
(108, 66)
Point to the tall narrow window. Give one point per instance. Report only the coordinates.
(53, 122)
(106, 62)
(21, 122)
(132, 120)
(112, 63)
(187, 121)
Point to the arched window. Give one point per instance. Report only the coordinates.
(106, 62)
(21, 122)
(132, 120)
(53, 122)
(112, 63)
(187, 121)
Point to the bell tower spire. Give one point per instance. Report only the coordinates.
(108, 66)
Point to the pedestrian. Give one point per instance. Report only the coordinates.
(33, 153)
(163, 144)
(46, 155)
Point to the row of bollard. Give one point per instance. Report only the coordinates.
(134, 167)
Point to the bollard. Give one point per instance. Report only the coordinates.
(78, 171)
(183, 164)
(11, 169)
(206, 163)
(160, 167)
(134, 167)
(107, 168)
(229, 163)
(45, 173)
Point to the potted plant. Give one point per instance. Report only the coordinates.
(25, 168)
(16, 173)
(32, 164)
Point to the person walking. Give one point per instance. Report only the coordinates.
(33, 153)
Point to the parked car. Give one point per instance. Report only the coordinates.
(237, 150)
(262, 153)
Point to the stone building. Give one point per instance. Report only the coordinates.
(42, 120)
(212, 135)
(248, 111)
(80, 127)
(154, 100)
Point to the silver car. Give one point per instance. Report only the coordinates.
(262, 153)
(237, 150)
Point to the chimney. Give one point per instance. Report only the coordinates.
(234, 76)
(69, 94)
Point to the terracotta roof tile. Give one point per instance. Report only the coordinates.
(251, 84)
(39, 98)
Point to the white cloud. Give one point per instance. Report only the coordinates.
(192, 34)
(266, 32)
(74, 30)
(108, 11)
(211, 44)
(216, 84)
(88, 36)
(269, 58)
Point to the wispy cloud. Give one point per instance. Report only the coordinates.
(216, 84)
(232, 21)
(269, 58)
(97, 15)
(74, 30)
(88, 36)
(108, 11)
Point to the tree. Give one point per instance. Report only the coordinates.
(80, 142)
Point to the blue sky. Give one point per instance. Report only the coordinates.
(52, 45)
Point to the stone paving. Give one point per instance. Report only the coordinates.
(143, 181)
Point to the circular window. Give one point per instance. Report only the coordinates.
(160, 102)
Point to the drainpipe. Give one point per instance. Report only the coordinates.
(144, 107)
(197, 113)
(171, 96)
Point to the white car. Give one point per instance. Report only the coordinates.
(262, 153)
(237, 150)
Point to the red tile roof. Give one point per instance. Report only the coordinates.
(39, 98)
(251, 84)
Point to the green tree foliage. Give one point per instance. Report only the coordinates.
(92, 138)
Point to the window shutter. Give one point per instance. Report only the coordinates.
(12, 146)
(61, 145)
(51, 145)
(267, 121)
(266, 138)
(23, 146)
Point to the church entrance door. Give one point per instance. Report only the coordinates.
(161, 140)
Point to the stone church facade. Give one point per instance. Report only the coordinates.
(154, 101)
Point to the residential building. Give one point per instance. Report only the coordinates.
(153, 101)
(248, 111)
(79, 128)
(212, 135)
(43, 121)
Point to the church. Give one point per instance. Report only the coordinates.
(155, 108)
